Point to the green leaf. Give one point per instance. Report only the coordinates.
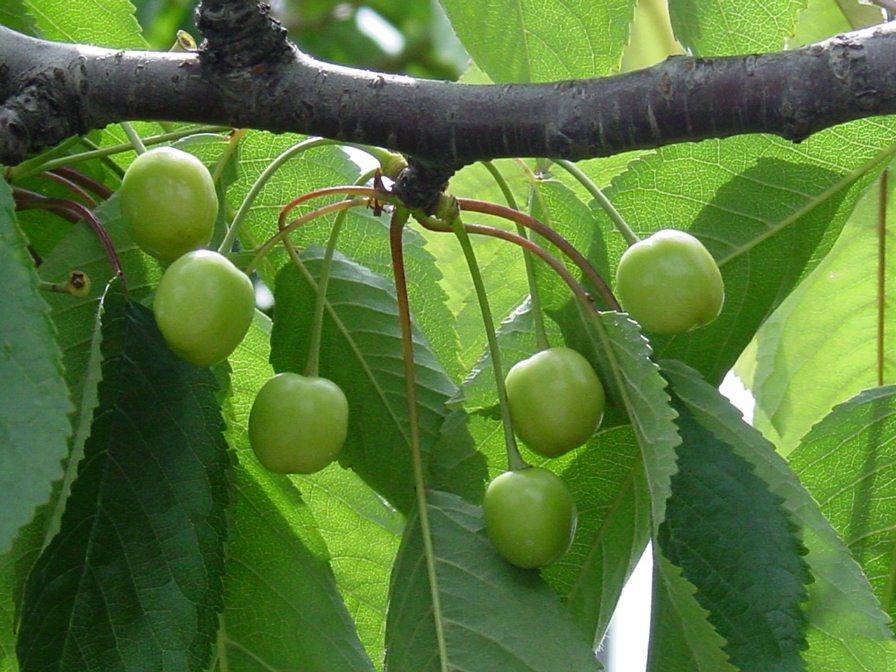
(8, 662)
(106, 23)
(681, 638)
(77, 320)
(530, 41)
(516, 338)
(729, 27)
(606, 479)
(767, 210)
(556, 205)
(633, 382)
(277, 564)
(34, 403)
(14, 15)
(78, 323)
(681, 632)
(364, 239)
(308, 170)
(494, 616)
(133, 579)
(362, 353)
(823, 18)
(734, 542)
(847, 631)
(848, 463)
(335, 506)
(827, 341)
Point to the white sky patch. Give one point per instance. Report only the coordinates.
(380, 31)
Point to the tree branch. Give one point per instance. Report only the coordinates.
(248, 75)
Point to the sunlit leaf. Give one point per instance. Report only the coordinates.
(530, 41)
(492, 615)
(848, 462)
(106, 23)
(728, 27)
(847, 628)
(829, 339)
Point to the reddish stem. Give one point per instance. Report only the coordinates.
(525, 243)
(76, 176)
(71, 186)
(296, 223)
(72, 211)
(521, 218)
(348, 190)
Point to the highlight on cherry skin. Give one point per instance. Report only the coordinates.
(530, 516)
(298, 424)
(203, 306)
(670, 283)
(168, 202)
(556, 400)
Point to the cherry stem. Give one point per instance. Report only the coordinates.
(74, 188)
(317, 318)
(541, 338)
(346, 190)
(275, 165)
(515, 461)
(396, 229)
(549, 234)
(236, 136)
(43, 163)
(97, 188)
(28, 199)
(618, 221)
(552, 261)
(134, 137)
(304, 219)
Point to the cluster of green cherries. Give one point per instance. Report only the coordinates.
(670, 284)
(204, 306)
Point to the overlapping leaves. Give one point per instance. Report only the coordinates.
(848, 462)
(362, 353)
(847, 630)
(492, 616)
(34, 403)
(829, 339)
(331, 522)
(133, 578)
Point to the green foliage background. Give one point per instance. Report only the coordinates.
(139, 532)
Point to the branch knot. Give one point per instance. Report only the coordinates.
(240, 34)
